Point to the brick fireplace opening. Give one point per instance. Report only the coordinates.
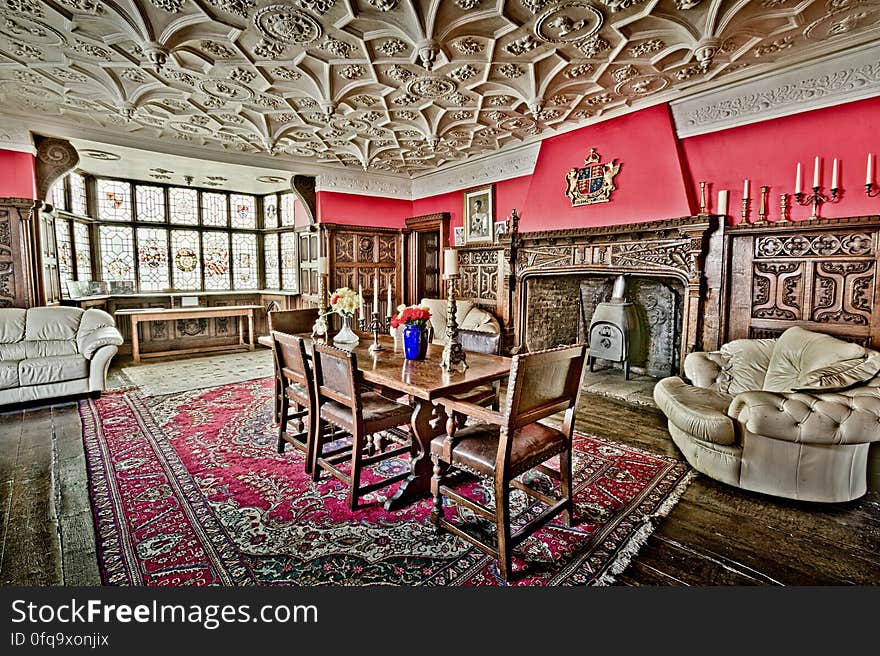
(559, 308)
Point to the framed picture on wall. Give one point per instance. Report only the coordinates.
(458, 236)
(479, 215)
(500, 229)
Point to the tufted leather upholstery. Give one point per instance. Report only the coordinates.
(47, 352)
(743, 422)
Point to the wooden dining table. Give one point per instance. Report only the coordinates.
(424, 381)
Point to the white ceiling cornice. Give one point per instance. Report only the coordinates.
(15, 135)
(831, 81)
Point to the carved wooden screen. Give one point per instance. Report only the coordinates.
(819, 275)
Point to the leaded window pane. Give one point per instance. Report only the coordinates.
(287, 210)
(289, 262)
(150, 204)
(183, 206)
(216, 259)
(114, 200)
(214, 209)
(270, 211)
(270, 243)
(65, 253)
(244, 260)
(59, 202)
(82, 247)
(186, 262)
(244, 211)
(78, 194)
(153, 259)
(117, 253)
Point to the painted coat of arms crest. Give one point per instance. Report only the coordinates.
(593, 183)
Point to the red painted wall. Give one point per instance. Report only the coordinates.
(509, 194)
(17, 177)
(351, 209)
(768, 152)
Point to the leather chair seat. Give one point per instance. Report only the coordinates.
(298, 393)
(697, 411)
(379, 413)
(475, 447)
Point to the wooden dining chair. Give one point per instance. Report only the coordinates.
(365, 415)
(297, 394)
(478, 341)
(503, 445)
(290, 322)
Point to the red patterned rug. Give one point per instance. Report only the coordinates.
(188, 489)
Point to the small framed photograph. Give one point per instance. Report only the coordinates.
(479, 215)
(500, 229)
(458, 236)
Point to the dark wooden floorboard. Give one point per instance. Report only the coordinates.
(716, 534)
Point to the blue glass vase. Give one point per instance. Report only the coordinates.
(415, 342)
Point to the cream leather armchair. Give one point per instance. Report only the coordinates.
(48, 352)
(792, 417)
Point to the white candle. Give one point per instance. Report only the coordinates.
(388, 309)
(746, 189)
(816, 172)
(361, 295)
(797, 180)
(450, 262)
(869, 173)
(722, 202)
(376, 293)
(834, 174)
(323, 266)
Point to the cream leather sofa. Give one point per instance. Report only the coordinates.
(468, 315)
(792, 417)
(47, 352)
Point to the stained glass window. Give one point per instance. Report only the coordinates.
(187, 259)
(149, 204)
(83, 248)
(183, 206)
(244, 260)
(59, 202)
(78, 194)
(153, 259)
(287, 213)
(114, 200)
(216, 258)
(117, 253)
(270, 211)
(270, 246)
(214, 209)
(289, 262)
(65, 253)
(244, 211)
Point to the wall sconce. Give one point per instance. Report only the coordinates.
(870, 188)
(817, 198)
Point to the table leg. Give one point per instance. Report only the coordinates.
(418, 485)
(251, 330)
(241, 329)
(135, 343)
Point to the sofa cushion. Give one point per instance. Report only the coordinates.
(697, 411)
(799, 351)
(41, 371)
(437, 306)
(842, 375)
(49, 348)
(13, 352)
(8, 375)
(480, 320)
(746, 362)
(12, 325)
(52, 323)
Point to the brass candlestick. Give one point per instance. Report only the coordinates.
(783, 208)
(319, 329)
(453, 356)
(872, 190)
(376, 326)
(816, 199)
(762, 208)
(702, 196)
(745, 210)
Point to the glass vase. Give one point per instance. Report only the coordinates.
(346, 336)
(415, 342)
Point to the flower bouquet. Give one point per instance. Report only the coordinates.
(344, 301)
(413, 320)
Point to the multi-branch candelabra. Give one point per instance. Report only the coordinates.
(376, 327)
(816, 199)
(320, 329)
(453, 356)
(872, 190)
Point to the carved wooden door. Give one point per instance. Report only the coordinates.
(427, 280)
(49, 260)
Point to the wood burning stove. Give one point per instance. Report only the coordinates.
(615, 329)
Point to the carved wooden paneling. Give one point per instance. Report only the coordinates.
(479, 270)
(821, 275)
(17, 253)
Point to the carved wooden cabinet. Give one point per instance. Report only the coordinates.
(18, 278)
(820, 275)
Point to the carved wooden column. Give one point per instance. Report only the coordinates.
(17, 249)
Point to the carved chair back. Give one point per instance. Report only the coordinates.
(291, 360)
(337, 377)
(292, 321)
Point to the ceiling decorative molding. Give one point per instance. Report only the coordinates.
(495, 168)
(832, 81)
(364, 184)
(392, 88)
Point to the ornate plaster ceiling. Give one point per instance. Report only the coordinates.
(389, 85)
